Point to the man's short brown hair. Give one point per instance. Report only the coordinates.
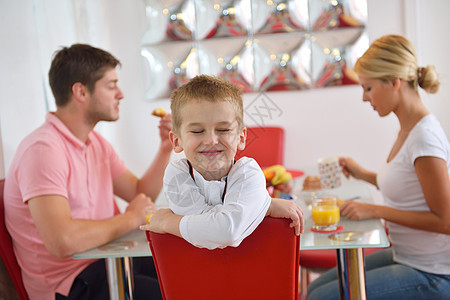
(78, 63)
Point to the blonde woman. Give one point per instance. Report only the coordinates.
(414, 182)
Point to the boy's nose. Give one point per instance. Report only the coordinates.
(211, 138)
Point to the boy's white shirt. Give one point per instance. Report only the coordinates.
(207, 222)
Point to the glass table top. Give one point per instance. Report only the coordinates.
(368, 233)
(133, 244)
(355, 234)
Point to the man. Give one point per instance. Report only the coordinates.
(59, 193)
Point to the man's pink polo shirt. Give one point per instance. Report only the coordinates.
(52, 161)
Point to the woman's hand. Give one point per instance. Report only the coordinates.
(352, 168)
(357, 210)
(288, 209)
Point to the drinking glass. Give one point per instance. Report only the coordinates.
(149, 211)
(325, 213)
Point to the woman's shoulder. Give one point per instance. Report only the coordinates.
(428, 129)
(428, 139)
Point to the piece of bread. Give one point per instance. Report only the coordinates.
(159, 112)
(311, 182)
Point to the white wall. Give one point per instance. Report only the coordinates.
(324, 122)
(24, 49)
(434, 50)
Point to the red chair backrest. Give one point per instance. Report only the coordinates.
(265, 145)
(7, 252)
(264, 266)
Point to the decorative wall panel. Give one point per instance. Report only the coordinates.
(262, 45)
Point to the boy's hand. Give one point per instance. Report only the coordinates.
(288, 209)
(163, 221)
(156, 221)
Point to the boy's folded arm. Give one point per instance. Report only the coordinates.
(218, 229)
(281, 208)
(164, 221)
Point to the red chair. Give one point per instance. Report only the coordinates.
(7, 252)
(266, 146)
(263, 266)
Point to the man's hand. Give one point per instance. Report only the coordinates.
(165, 125)
(288, 209)
(138, 207)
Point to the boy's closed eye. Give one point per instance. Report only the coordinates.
(197, 131)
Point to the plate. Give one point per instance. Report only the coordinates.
(308, 196)
(118, 246)
(338, 229)
(347, 236)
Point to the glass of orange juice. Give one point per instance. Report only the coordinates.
(325, 213)
(149, 211)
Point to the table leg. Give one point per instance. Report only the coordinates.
(120, 278)
(352, 281)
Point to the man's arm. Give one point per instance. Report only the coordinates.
(127, 186)
(64, 236)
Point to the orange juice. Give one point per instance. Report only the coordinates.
(325, 215)
(148, 216)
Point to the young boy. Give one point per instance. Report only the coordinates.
(214, 200)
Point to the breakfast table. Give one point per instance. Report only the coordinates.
(350, 241)
(349, 244)
(118, 256)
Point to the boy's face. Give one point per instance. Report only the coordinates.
(209, 136)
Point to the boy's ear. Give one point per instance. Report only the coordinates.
(175, 141)
(242, 139)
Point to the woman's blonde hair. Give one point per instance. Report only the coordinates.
(206, 88)
(393, 56)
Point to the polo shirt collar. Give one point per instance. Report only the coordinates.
(52, 119)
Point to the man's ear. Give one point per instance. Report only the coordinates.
(79, 91)
(242, 139)
(175, 141)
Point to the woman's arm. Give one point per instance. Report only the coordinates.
(351, 168)
(433, 177)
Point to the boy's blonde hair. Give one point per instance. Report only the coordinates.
(205, 88)
(393, 56)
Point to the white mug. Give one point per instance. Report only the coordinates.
(330, 172)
